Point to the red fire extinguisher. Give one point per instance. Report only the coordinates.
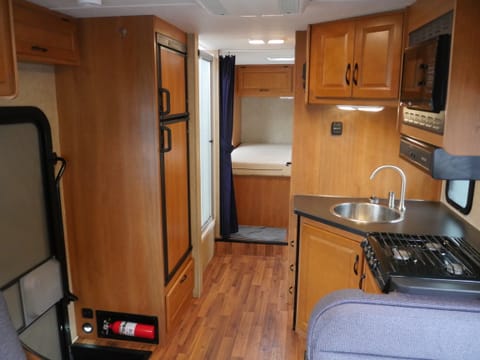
(128, 328)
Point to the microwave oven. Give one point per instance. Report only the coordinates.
(424, 83)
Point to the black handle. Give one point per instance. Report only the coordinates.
(184, 277)
(360, 282)
(164, 107)
(355, 74)
(424, 68)
(292, 243)
(61, 170)
(347, 74)
(168, 147)
(355, 265)
(292, 267)
(39, 48)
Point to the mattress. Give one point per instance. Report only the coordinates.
(262, 159)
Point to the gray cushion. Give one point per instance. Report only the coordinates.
(10, 347)
(350, 324)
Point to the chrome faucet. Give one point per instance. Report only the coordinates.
(401, 205)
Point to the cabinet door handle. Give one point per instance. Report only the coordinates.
(290, 290)
(360, 282)
(292, 243)
(355, 75)
(347, 74)
(292, 267)
(39, 48)
(355, 264)
(184, 277)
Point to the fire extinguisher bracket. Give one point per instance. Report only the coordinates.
(130, 327)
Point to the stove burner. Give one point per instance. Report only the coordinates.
(423, 263)
(432, 246)
(453, 268)
(401, 254)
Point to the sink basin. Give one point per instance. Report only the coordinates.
(364, 212)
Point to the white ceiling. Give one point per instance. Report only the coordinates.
(226, 25)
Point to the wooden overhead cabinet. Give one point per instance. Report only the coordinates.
(45, 36)
(265, 80)
(8, 65)
(358, 58)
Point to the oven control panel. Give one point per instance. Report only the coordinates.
(370, 249)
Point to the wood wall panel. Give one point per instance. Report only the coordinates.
(424, 11)
(262, 200)
(111, 185)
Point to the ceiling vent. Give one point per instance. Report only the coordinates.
(213, 6)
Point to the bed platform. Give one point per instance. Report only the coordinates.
(262, 184)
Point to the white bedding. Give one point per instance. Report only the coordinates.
(262, 159)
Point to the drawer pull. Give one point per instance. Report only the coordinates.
(290, 289)
(39, 48)
(292, 243)
(184, 277)
(292, 267)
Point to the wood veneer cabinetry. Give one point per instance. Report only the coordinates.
(8, 65)
(110, 137)
(42, 35)
(328, 260)
(265, 80)
(462, 120)
(358, 58)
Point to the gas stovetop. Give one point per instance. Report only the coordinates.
(423, 263)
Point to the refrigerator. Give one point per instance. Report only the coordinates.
(174, 117)
(33, 266)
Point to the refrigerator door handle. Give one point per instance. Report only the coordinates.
(164, 107)
(165, 148)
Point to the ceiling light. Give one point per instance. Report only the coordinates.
(89, 2)
(256, 42)
(280, 58)
(275, 41)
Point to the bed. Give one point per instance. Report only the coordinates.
(262, 159)
(262, 184)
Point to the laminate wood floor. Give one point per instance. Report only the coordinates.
(242, 314)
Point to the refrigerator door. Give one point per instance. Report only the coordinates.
(172, 93)
(32, 257)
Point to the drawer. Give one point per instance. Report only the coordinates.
(179, 294)
(44, 36)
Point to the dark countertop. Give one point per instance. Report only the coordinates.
(421, 217)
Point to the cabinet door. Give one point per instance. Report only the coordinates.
(44, 36)
(265, 80)
(172, 83)
(175, 195)
(378, 49)
(331, 56)
(327, 262)
(8, 65)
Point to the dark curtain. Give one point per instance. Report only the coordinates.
(228, 210)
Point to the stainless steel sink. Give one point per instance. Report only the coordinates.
(364, 212)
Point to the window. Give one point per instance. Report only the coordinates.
(459, 194)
